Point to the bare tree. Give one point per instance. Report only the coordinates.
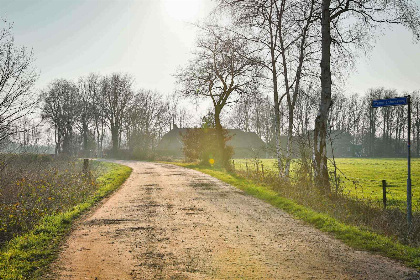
(336, 18)
(98, 108)
(147, 118)
(260, 21)
(117, 92)
(61, 108)
(17, 79)
(89, 98)
(415, 101)
(284, 31)
(222, 67)
(245, 110)
(296, 44)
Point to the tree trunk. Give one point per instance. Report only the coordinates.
(67, 138)
(321, 122)
(66, 144)
(115, 138)
(372, 133)
(220, 140)
(289, 142)
(85, 136)
(98, 145)
(276, 115)
(57, 141)
(417, 126)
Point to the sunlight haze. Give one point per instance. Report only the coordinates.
(152, 39)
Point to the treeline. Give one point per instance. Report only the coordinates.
(94, 116)
(355, 129)
(377, 132)
(98, 112)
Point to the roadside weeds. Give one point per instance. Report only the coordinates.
(28, 256)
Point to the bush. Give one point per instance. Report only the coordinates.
(202, 144)
(136, 153)
(32, 186)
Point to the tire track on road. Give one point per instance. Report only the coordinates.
(168, 222)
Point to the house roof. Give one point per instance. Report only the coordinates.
(240, 139)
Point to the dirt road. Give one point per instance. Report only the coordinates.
(167, 222)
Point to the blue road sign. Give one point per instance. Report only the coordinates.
(396, 102)
(390, 102)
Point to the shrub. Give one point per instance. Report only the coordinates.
(202, 144)
(32, 186)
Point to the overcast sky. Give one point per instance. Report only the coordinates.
(151, 38)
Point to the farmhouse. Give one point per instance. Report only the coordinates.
(338, 141)
(245, 144)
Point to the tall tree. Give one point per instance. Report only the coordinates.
(259, 20)
(222, 67)
(88, 94)
(17, 78)
(147, 118)
(298, 44)
(61, 108)
(283, 31)
(344, 22)
(117, 93)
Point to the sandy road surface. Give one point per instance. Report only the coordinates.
(168, 222)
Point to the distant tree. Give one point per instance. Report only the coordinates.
(17, 78)
(147, 117)
(98, 108)
(89, 97)
(62, 108)
(117, 92)
(254, 113)
(415, 100)
(177, 115)
(243, 111)
(220, 68)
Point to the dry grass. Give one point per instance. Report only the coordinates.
(33, 186)
(360, 178)
(364, 212)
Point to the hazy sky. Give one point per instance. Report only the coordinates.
(151, 39)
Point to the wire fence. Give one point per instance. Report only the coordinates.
(357, 207)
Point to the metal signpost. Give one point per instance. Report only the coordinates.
(397, 102)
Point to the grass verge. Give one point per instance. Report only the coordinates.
(351, 235)
(27, 256)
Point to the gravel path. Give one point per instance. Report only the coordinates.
(168, 222)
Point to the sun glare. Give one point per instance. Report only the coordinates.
(182, 10)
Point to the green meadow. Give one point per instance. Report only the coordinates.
(362, 177)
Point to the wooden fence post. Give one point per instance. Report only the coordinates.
(262, 170)
(384, 192)
(85, 165)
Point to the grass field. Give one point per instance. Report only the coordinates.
(362, 177)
